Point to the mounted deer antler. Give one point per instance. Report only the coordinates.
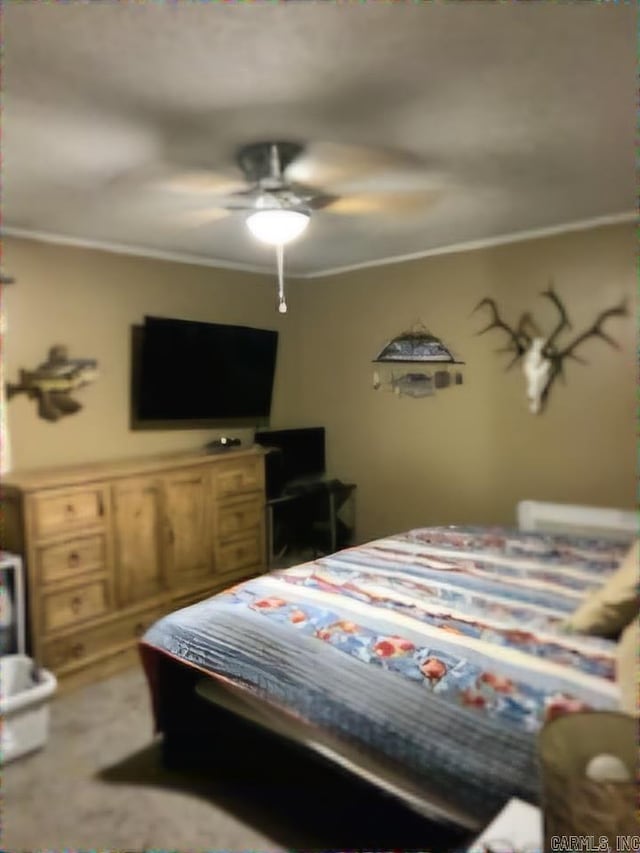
(520, 339)
(595, 330)
(564, 320)
(542, 358)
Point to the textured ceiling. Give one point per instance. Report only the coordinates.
(519, 116)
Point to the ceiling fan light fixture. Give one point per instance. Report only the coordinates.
(277, 227)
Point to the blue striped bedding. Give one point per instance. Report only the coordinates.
(440, 649)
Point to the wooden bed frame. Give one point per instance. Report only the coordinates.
(189, 718)
(186, 700)
(363, 764)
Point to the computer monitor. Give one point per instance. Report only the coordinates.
(301, 453)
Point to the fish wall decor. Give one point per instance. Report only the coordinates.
(416, 346)
(413, 385)
(52, 383)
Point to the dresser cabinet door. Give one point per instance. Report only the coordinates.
(188, 521)
(137, 519)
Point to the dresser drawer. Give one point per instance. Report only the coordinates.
(239, 516)
(64, 609)
(187, 598)
(60, 562)
(92, 642)
(240, 553)
(235, 478)
(58, 512)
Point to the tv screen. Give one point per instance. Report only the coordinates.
(191, 371)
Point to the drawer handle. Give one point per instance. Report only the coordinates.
(77, 650)
(139, 629)
(74, 559)
(76, 603)
(70, 510)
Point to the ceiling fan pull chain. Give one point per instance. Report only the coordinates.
(282, 305)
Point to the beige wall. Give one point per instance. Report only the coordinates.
(466, 455)
(471, 452)
(88, 300)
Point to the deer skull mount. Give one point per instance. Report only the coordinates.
(543, 358)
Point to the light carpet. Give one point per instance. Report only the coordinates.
(56, 799)
(99, 784)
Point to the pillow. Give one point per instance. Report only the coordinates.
(627, 668)
(609, 609)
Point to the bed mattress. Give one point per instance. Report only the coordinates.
(439, 649)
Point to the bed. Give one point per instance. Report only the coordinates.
(425, 662)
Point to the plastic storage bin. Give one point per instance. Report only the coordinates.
(24, 706)
(12, 610)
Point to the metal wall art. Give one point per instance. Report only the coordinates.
(543, 357)
(415, 346)
(52, 383)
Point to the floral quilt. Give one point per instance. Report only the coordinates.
(442, 648)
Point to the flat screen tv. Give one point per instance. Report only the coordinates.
(188, 373)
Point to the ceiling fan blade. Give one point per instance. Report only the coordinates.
(197, 218)
(204, 183)
(329, 164)
(316, 200)
(396, 181)
(164, 177)
(397, 203)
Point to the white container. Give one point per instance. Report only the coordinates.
(12, 609)
(24, 706)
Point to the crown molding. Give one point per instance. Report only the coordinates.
(199, 260)
(127, 249)
(485, 243)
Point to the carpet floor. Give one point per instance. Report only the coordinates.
(100, 785)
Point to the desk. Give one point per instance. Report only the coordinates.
(310, 519)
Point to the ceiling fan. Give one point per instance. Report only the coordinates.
(284, 183)
(280, 206)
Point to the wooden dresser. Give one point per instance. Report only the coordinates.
(110, 548)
